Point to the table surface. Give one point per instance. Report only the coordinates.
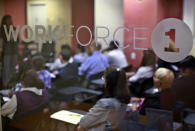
(75, 90)
(41, 121)
(98, 82)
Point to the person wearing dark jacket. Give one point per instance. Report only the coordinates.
(165, 99)
(185, 85)
(10, 50)
(68, 73)
(31, 97)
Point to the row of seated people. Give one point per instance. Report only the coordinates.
(113, 107)
(116, 91)
(107, 109)
(67, 66)
(67, 69)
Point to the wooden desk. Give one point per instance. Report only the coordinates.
(41, 121)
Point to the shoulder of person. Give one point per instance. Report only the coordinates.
(46, 71)
(108, 103)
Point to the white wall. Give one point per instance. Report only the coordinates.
(189, 14)
(189, 18)
(109, 13)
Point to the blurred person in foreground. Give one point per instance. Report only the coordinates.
(185, 85)
(112, 108)
(165, 98)
(115, 56)
(95, 63)
(31, 97)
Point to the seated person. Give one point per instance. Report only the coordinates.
(115, 56)
(81, 56)
(57, 63)
(24, 66)
(38, 64)
(31, 97)
(67, 74)
(185, 85)
(108, 109)
(142, 79)
(94, 64)
(164, 99)
(146, 69)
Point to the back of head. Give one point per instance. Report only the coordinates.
(188, 62)
(66, 54)
(163, 78)
(95, 45)
(38, 62)
(81, 48)
(31, 79)
(187, 66)
(114, 44)
(149, 58)
(66, 47)
(4, 20)
(116, 84)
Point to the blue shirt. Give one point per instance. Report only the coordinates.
(45, 76)
(93, 64)
(80, 57)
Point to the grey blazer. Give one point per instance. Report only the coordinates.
(105, 110)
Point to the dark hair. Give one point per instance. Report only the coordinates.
(17, 77)
(188, 62)
(31, 79)
(66, 47)
(116, 84)
(66, 54)
(114, 44)
(38, 62)
(3, 21)
(81, 48)
(149, 58)
(97, 45)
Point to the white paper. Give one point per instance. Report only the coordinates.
(6, 99)
(67, 116)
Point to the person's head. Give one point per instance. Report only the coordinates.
(65, 55)
(38, 63)
(113, 45)
(31, 79)
(81, 48)
(94, 46)
(187, 66)
(6, 20)
(116, 84)
(163, 78)
(149, 58)
(65, 47)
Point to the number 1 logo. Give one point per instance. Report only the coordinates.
(172, 40)
(171, 35)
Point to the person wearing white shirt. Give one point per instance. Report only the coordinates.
(115, 56)
(146, 69)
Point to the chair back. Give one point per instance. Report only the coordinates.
(188, 120)
(162, 119)
(136, 126)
